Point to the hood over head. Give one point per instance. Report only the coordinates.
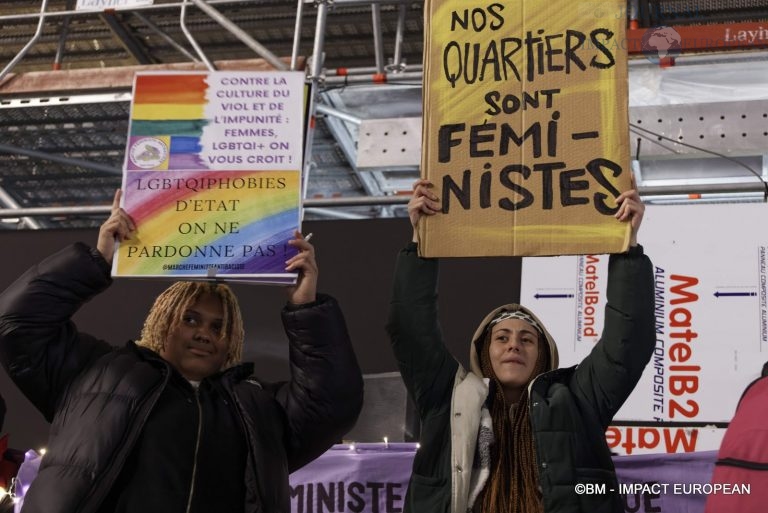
(479, 336)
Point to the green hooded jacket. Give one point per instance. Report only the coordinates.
(570, 408)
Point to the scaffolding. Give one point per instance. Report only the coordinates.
(363, 145)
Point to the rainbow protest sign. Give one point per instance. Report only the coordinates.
(212, 175)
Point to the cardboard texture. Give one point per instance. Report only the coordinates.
(525, 127)
(212, 175)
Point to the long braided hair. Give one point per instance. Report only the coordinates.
(169, 307)
(513, 486)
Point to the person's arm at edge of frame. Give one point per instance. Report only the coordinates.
(628, 338)
(425, 364)
(325, 394)
(40, 346)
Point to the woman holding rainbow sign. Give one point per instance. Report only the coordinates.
(174, 421)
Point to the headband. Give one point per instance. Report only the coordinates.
(515, 314)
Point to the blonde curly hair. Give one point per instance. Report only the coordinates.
(167, 311)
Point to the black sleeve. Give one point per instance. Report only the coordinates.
(40, 346)
(608, 375)
(425, 364)
(325, 394)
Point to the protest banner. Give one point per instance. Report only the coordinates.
(212, 175)
(711, 315)
(525, 133)
(354, 478)
(373, 478)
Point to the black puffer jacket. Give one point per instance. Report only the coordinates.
(98, 397)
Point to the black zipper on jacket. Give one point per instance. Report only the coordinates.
(733, 462)
(197, 450)
(103, 486)
(241, 414)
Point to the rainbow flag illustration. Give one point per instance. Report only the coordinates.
(167, 121)
(212, 175)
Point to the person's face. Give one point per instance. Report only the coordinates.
(195, 348)
(513, 351)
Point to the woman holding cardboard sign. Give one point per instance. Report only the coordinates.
(514, 433)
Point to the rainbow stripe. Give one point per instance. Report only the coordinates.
(192, 220)
(173, 107)
(209, 216)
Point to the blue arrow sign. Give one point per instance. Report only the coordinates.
(734, 294)
(552, 296)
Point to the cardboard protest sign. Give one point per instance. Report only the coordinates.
(212, 174)
(525, 127)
